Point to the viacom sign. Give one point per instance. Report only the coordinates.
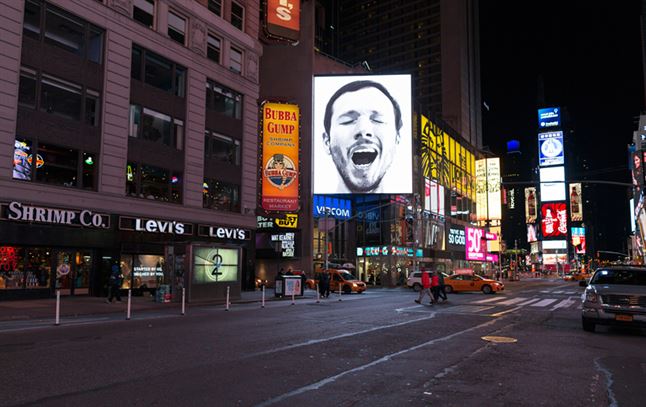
(332, 207)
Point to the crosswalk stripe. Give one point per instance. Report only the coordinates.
(558, 292)
(565, 303)
(545, 302)
(528, 302)
(512, 301)
(546, 291)
(489, 300)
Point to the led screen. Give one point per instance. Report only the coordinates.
(532, 235)
(549, 117)
(552, 191)
(550, 148)
(552, 174)
(362, 134)
(554, 220)
(214, 265)
(476, 248)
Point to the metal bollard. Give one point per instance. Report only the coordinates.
(263, 297)
(340, 292)
(183, 300)
(58, 308)
(293, 298)
(227, 306)
(318, 294)
(129, 302)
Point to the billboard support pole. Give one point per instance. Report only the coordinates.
(326, 248)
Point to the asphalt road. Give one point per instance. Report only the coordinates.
(373, 349)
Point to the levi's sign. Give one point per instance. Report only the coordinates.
(224, 232)
(155, 226)
(71, 217)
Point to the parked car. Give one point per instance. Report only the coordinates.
(414, 280)
(616, 295)
(466, 282)
(344, 279)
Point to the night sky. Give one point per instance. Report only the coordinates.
(587, 55)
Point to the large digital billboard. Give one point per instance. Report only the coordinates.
(552, 191)
(214, 265)
(549, 117)
(552, 174)
(531, 209)
(576, 204)
(434, 197)
(550, 148)
(532, 234)
(362, 137)
(280, 149)
(476, 247)
(554, 220)
(578, 240)
(488, 196)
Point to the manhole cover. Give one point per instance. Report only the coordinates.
(499, 339)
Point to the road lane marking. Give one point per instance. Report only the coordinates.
(489, 300)
(332, 379)
(565, 303)
(609, 382)
(544, 303)
(501, 313)
(528, 301)
(316, 341)
(512, 301)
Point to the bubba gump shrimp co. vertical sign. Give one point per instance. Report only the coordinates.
(280, 156)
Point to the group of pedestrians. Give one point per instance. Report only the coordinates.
(433, 286)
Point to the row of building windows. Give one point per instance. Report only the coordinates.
(144, 13)
(73, 168)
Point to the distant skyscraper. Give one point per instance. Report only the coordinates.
(436, 41)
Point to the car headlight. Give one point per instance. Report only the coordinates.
(591, 296)
(354, 284)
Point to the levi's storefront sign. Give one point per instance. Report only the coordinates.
(224, 232)
(476, 248)
(55, 216)
(283, 19)
(172, 227)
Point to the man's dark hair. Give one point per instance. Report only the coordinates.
(353, 87)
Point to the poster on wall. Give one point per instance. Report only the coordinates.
(362, 137)
(280, 162)
(530, 205)
(214, 265)
(576, 205)
(554, 220)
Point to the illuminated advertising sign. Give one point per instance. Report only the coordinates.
(549, 117)
(456, 237)
(331, 207)
(280, 165)
(22, 160)
(532, 235)
(481, 189)
(494, 203)
(637, 170)
(576, 205)
(554, 220)
(290, 221)
(283, 19)
(475, 244)
(550, 148)
(578, 240)
(362, 137)
(214, 265)
(552, 191)
(530, 205)
(434, 197)
(552, 174)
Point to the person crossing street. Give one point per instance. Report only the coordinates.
(426, 288)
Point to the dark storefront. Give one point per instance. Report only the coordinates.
(43, 249)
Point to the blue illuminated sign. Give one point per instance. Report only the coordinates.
(333, 207)
(550, 148)
(549, 117)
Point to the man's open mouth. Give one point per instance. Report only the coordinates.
(363, 157)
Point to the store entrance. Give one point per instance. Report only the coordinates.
(72, 269)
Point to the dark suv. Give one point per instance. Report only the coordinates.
(616, 295)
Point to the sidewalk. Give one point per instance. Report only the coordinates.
(85, 305)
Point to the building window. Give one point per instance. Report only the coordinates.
(213, 48)
(144, 12)
(223, 100)
(215, 6)
(147, 124)
(176, 27)
(235, 60)
(237, 15)
(220, 148)
(150, 182)
(220, 195)
(54, 165)
(64, 30)
(57, 96)
(158, 71)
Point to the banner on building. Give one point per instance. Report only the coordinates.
(576, 204)
(280, 161)
(530, 205)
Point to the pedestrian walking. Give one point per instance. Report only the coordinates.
(324, 284)
(114, 284)
(442, 287)
(426, 288)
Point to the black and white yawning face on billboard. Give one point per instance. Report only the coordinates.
(362, 134)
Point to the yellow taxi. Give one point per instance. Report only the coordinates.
(472, 282)
(348, 282)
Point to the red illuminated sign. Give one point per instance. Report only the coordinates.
(283, 19)
(554, 219)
